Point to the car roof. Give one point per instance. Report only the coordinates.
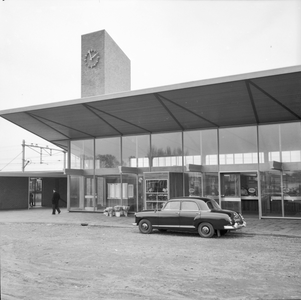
(190, 198)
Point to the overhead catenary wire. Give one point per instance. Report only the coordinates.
(11, 161)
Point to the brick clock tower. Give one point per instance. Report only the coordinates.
(105, 67)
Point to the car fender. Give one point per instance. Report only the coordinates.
(217, 220)
(150, 215)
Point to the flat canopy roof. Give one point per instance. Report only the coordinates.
(265, 97)
(33, 174)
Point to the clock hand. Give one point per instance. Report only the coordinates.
(90, 54)
(94, 55)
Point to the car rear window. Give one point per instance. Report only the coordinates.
(213, 205)
(189, 205)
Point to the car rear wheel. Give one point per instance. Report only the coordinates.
(145, 226)
(206, 230)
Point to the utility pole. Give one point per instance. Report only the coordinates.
(24, 163)
(23, 155)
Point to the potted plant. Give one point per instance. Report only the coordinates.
(106, 212)
(118, 210)
(125, 210)
(109, 211)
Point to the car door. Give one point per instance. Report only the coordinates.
(169, 215)
(189, 210)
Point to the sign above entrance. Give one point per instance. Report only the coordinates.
(193, 168)
(276, 165)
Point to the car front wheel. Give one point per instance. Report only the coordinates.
(206, 230)
(145, 226)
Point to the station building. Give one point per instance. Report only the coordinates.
(236, 139)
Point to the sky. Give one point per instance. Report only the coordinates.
(167, 41)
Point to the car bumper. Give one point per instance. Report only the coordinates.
(134, 224)
(235, 226)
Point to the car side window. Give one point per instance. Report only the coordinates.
(189, 205)
(203, 205)
(173, 205)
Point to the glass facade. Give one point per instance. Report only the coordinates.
(238, 148)
(251, 169)
(200, 148)
(136, 151)
(280, 145)
(166, 150)
(107, 153)
(82, 154)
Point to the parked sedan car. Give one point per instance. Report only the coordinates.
(196, 214)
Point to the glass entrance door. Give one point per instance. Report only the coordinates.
(100, 193)
(230, 191)
(249, 193)
(271, 193)
(35, 192)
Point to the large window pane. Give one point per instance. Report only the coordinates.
(82, 154)
(135, 151)
(107, 153)
(269, 145)
(290, 143)
(211, 185)
(271, 193)
(238, 148)
(292, 194)
(194, 186)
(167, 149)
(200, 147)
(76, 192)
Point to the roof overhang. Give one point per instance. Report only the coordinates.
(33, 174)
(265, 97)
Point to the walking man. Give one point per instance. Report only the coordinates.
(55, 202)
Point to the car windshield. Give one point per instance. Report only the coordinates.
(212, 204)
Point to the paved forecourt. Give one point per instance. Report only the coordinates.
(282, 227)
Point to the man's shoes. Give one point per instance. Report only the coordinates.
(53, 213)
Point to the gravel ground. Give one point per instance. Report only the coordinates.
(57, 261)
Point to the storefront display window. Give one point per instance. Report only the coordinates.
(131, 199)
(271, 193)
(156, 193)
(195, 184)
(230, 185)
(292, 194)
(249, 185)
(211, 185)
(135, 151)
(230, 191)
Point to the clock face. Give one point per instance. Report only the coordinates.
(91, 58)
